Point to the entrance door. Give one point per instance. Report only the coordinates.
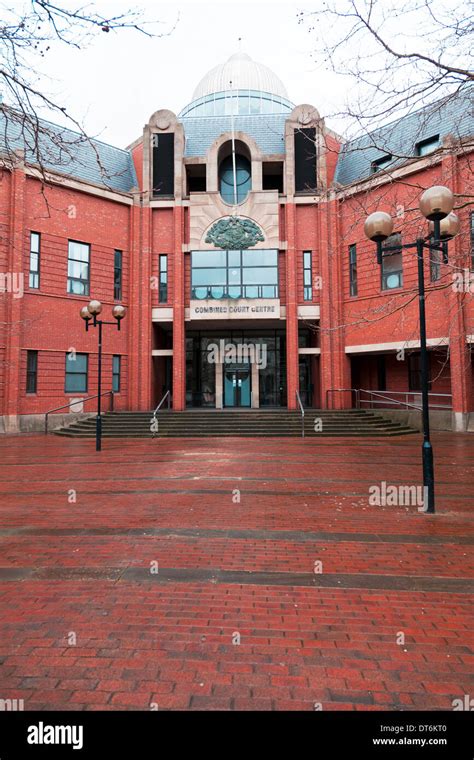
(237, 387)
(306, 387)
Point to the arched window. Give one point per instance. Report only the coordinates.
(243, 173)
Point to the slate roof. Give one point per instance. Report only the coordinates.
(268, 131)
(452, 115)
(67, 152)
(70, 153)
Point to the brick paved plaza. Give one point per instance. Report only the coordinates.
(153, 586)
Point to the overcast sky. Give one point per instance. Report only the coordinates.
(114, 85)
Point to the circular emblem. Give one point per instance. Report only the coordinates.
(163, 122)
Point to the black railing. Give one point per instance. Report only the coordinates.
(77, 403)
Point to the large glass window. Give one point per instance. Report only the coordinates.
(243, 179)
(201, 373)
(76, 373)
(234, 274)
(237, 102)
(78, 268)
(34, 259)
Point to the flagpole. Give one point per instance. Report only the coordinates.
(234, 168)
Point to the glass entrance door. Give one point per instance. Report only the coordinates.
(237, 387)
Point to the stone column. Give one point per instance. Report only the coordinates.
(179, 332)
(255, 386)
(335, 364)
(292, 369)
(138, 321)
(219, 385)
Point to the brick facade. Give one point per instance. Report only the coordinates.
(347, 332)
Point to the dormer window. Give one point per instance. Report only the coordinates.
(305, 160)
(429, 145)
(163, 164)
(381, 163)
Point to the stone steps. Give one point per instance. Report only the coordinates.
(241, 423)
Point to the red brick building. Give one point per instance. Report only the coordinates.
(233, 233)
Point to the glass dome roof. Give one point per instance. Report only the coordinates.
(239, 86)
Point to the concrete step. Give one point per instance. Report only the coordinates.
(240, 434)
(185, 425)
(252, 423)
(230, 428)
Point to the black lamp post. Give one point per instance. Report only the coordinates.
(436, 204)
(91, 311)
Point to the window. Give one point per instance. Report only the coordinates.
(196, 178)
(308, 275)
(272, 175)
(424, 147)
(35, 239)
(116, 360)
(234, 274)
(163, 290)
(414, 371)
(392, 263)
(31, 371)
(78, 268)
(353, 269)
(243, 179)
(117, 275)
(305, 160)
(163, 164)
(76, 373)
(380, 163)
(436, 259)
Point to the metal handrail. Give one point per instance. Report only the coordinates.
(66, 406)
(154, 420)
(298, 398)
(388, 396)
(167, 394)
(406, 403)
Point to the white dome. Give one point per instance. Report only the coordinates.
(244, 73)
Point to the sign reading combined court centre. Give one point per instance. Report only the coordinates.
(238, 308)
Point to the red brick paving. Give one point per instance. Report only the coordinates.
(171, 644)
